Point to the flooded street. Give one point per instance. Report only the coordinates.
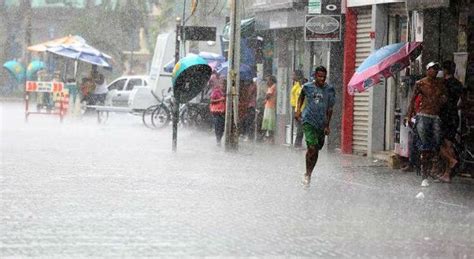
(81, 189)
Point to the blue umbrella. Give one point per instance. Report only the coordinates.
(212, 59)
(246, 72)
(33, 67)
(16, 70)
(82, 52)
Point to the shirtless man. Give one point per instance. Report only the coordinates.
(433, 96)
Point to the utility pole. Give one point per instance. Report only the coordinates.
(175, 107)
(183, 40)
(26, 5)
(233, 79)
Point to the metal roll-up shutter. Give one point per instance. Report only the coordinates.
(360, 132)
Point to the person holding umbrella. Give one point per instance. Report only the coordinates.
(428, 128)
(217, 105)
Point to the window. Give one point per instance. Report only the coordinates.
(118, 85)
(132, 83)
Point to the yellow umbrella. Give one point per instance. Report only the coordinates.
(41, 47)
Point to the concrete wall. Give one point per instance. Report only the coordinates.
(336, 72)
(377, 92)
(440, 34)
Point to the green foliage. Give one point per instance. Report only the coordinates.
(163, 22)
(106, 27)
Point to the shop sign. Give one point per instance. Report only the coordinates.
(322, 28)
(314, 6)
(329, 7)
(355, 3)
(44, 87)
(426, 4)
(200, 33)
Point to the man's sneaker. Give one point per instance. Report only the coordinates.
(425, 183)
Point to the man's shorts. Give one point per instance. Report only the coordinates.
(314, 137)
(429, 132)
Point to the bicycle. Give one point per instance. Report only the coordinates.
(148, 113)
(160, 114)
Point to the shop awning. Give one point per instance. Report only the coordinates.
(247, 28)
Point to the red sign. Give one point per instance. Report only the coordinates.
(45, 87)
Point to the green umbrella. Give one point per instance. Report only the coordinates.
(189, 77)
(33, 67)
(16, 70)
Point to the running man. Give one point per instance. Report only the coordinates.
(316, 117)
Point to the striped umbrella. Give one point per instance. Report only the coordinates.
(383, 63)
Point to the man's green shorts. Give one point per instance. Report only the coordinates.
(313, 136)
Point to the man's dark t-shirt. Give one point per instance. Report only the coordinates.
(449, 111)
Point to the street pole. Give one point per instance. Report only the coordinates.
(26, 5)
(175, 107)
(183, 40)
(233, 79)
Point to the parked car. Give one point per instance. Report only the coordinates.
(121, 88)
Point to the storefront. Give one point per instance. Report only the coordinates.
(371, 122)
(283, 27)
(284, 51)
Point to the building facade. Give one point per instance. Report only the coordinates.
(282, 26)
(370, 118)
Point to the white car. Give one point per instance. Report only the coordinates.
(120, 89)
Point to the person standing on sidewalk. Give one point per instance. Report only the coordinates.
(450, 119)
(433, 97)
(316, 117)
(217, 106)
(100, 91)
(295, 94)
(269, 115)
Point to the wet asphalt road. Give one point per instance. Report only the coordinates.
(80, 189)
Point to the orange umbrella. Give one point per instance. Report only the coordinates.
(42, 47)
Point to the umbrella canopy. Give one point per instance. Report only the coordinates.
(42, 47)
(16, 70)
(245, 71)
(34, 67)
(189, 77)
(384, 62)
(82, 52)
(213, 60)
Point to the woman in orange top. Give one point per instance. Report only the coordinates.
(269, 116)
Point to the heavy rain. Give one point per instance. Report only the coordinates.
(237, 128)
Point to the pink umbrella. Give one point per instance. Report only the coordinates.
(384, 62)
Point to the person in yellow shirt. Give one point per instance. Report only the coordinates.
(295, 94)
